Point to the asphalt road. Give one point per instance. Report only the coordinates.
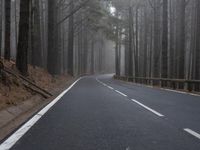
(100, 113)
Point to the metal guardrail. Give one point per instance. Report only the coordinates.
(189, 85)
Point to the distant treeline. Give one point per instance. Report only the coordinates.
(161, 38)
(59, 35)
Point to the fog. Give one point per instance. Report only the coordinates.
(146, 38)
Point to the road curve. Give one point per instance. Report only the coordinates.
(100, 113)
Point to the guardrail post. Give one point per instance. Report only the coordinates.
(189, 86)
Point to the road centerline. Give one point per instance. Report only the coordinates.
(110, 87)
(137, 102)
(149, 109)
(195, 134)
(121, 93)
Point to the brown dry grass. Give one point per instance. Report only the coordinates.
(15, 92)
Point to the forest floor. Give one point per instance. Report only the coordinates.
(17, 102)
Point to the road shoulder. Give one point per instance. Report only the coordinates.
(14, 116)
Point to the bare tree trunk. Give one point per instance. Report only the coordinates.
(52, 50)
(117, 66)
(85, 48)
(156, 52)
(164, 59)
(130, 55)
(92, 57)
(146, 29)
(172, 38)
(7, 29)
(197, 43)
(80, 39)
(181, 41)
(58, 43)
(71, 41)
(36, 38)
(1, 14)
(22, 48)
(16, 24)
(136, 59)
(150, 50)
(120, 48)
(126, 57)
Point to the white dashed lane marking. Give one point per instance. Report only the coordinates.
(110, 87)
(121, 93)
(197, 135)
(149, 109)
(137, 102)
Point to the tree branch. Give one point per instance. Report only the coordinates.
(73, 12)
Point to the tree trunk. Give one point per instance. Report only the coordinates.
(85, 48)
(36, 36)
(22, 48)
(164, 59)
(16, 24)
(136, 59)
(130, 55)
(71, 42)
(181, 42)
(7, 29)
(92, 57)
(156, 52)
(197, 43)
(146, 26)
(1, 14)
(52, 56)
(126, 57)
(172, 38)
(120, 48)
(117, 66)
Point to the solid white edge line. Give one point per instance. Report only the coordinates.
(121, 93)
(170, 90)
(10, 141)
(181, 92)
(146, 107)
(197, 135)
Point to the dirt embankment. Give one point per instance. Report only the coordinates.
(18, 102)
(14, 91)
